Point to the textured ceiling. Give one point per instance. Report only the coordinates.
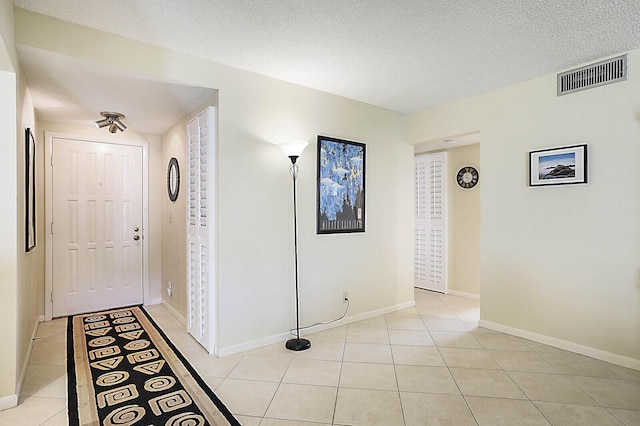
(404, 55)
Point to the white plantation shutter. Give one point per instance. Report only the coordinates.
(420, 264)
(200, 230)
(430, 172)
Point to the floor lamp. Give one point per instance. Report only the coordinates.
(293, 150)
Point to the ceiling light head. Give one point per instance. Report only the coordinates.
(120, 125)
(111, 119)
(102, 123)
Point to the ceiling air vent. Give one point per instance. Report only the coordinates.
(594, 75)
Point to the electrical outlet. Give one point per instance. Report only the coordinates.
(169, 288)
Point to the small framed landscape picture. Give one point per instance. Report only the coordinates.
(558, 166)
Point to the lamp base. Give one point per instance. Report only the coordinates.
(298, 344)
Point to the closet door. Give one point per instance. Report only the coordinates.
(430, 268)
(201, 268)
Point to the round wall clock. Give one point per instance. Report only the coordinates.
(467, 177)
(173, 179)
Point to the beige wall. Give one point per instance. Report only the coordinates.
(559, 264)
(30, 291)
(21, 273)
(255, 216)
(9, 242)
(254, 220)
(464, 223)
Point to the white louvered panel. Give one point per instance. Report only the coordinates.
(204, 156)
(201, 278)
(193, 277)
(420, 179)
(194, 173)
(204, 287)
(430, 173)
(436, 256)
(420, 176)
(420, 268)
(436, 185)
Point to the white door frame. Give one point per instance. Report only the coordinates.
(48, 180)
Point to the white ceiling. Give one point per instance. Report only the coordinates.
(404, 55)
(71, 90)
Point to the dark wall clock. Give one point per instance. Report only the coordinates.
(173, 179)
(467, 177)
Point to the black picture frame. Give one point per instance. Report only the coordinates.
(30, 190)
(173, 179)
(341, 183)
(566, 165)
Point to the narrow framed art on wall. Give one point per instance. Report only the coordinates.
(340, 186)
(558, 166)
(30, 190)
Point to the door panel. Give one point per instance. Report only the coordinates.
(201, 303)
(430, 176)
(97, 218)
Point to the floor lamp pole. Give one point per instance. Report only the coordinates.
(296, 344)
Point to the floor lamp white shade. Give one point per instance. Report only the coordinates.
(293, 148)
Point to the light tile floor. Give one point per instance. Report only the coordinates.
(430, 364)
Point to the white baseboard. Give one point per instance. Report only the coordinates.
(463, 294)
(9, 401)
(253, 344)
(25, 365)
(157, 301)
(175, 313)
(565, 344)
(281, 337)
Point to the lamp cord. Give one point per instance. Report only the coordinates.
(344, 314)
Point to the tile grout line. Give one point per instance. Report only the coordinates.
(395, 373)
(453, 377)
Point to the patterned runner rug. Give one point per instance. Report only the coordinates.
(123, 370)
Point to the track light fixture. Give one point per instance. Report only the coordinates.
(111, 119)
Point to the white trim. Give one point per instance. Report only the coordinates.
(25, 365)
(463, 294)
(175, 313)
(281, 337)
(9, 401)
(151, 302)
(565, 344)
(48, 181)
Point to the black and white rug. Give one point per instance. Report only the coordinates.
(123, 370)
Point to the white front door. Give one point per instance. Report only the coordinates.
(430, 268)
(96, 226)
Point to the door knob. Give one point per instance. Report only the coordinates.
(136, 237)
(136, 229)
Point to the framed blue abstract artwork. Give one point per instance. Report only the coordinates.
(341, 186)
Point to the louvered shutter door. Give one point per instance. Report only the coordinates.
(431, 214)
(420, 264)
(200, 233)
(193, 208)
